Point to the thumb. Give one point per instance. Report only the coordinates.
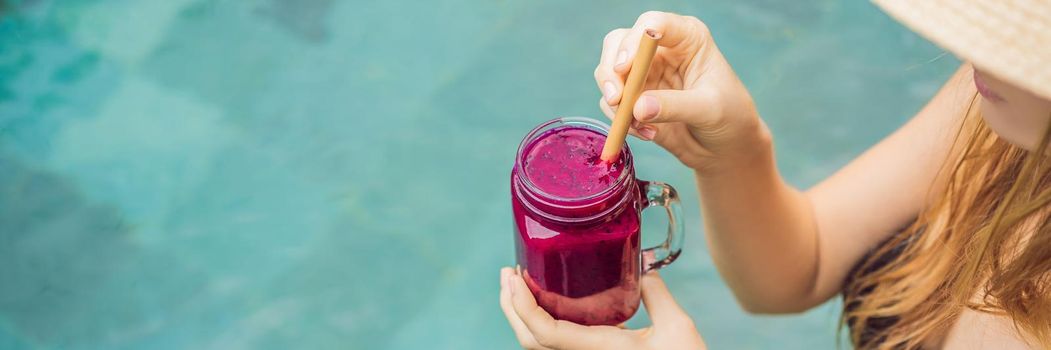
(659, 302)
(695, 107)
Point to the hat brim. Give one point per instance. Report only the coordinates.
(1010, 39)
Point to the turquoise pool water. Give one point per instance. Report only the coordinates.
(277, 174)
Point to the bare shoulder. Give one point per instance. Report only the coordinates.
(977, 330)
(953, 99)
(888, 185)
(936, 128)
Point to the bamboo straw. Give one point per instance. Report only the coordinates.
(632, 89)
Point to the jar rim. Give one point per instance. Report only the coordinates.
(571, 202)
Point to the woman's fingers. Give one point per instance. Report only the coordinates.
(609, 82)
(558, 334)
(608, 110)
(667, 317)
(672, 30)
(686, 38)
(521, 332)
(660, 304)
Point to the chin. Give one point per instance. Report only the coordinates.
(1011, 130)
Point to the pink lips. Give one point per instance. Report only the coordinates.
(984, 89)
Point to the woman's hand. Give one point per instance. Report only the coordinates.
(536, 329)
(693, 105)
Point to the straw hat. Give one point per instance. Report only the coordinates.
(1010, 39)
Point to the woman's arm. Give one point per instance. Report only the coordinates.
(783, 250)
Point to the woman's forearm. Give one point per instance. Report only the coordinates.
(760, 232)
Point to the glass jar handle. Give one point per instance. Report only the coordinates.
(663, 195)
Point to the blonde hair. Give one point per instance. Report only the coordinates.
(984, 244)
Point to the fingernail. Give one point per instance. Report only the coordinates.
(650, 107)
(622, 57)
(511, 284)
(648, 132)
(608, 91)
